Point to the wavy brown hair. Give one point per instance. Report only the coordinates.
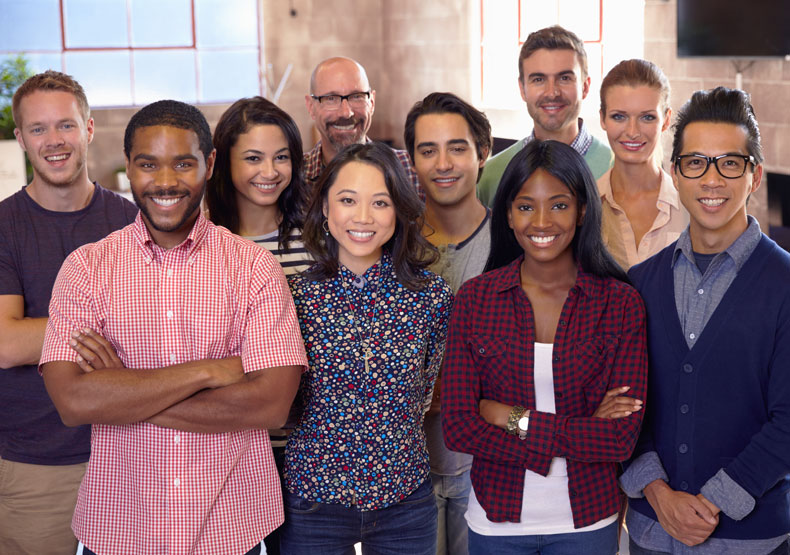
(220, 192)
(411, 253)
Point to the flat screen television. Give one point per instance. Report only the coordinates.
(733, 28)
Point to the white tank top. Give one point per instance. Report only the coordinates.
(546, 508)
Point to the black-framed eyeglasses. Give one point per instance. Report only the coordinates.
(730, 166)
(333, 101)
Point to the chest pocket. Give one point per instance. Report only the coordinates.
(594, 364)
(489, 355)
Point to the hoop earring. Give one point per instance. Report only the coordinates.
(325, 227)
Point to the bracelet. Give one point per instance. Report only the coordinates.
(512, 421)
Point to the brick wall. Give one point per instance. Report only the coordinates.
(768, 82)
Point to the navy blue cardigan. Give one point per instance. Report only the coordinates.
(734, 383)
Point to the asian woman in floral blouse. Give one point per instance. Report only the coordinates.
(374, 322)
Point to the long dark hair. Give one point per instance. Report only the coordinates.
(220, 192)
(411, 252)
(567, 165)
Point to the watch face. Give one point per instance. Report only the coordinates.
(523, 423)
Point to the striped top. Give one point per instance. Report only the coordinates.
(294, 259)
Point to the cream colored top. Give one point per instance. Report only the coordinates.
(618, 236)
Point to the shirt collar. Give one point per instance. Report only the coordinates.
(581, 143)
(740, 250)
(667, 194)
(146, 243)
(383, 270)
(510, 278)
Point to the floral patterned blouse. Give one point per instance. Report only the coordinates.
(360, 440)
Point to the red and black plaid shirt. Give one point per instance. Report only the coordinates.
(599, 344)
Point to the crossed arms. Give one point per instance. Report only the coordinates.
(205, 396)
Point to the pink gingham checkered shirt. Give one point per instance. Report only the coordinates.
(155, 490)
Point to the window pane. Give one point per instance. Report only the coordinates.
(228, 75)
(157, 23)
(95, 23)
(29, 25)
(105, 76)
(583, 18)
(223, 23)
(538, 15)
(160, 74)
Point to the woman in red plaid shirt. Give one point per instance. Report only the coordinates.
(542, 349)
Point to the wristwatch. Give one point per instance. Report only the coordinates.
(513, 419)
(523, 425)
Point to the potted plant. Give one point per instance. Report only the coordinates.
(13, 171)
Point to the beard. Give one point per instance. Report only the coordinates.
(341, 139)
(194, 204)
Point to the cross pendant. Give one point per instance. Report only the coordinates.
(366, 354)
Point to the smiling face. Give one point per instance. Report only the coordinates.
(544, 217)
(445, 158)
(553, 88)
(168, 174)
(260, 165)
(716, 205)
(360, 215)
(344, 125)
(633, 122)
(55, 136)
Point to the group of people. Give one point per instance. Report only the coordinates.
(423, 351)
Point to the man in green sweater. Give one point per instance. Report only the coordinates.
(553, 81)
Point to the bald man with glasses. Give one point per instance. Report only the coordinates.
(341, 103)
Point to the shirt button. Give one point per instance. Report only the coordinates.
(683, 448)
(688, 369)
(169, 314)
(556, 358)
(177, 439)
(684, 485)
(562, 322)
(692, 336)
(700, 291)
(482, 351)
(169, 272)
(684, 409)
(177, 482)
(172, 358)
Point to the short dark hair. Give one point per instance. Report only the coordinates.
(171, 113)
(552, 38)
(243, 115)
(411, 252)
(50, 81)
(448, 103)
(719, 105)
(567, 165)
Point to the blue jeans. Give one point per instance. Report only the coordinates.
(407, 528)
(452, 497)
(635, 549)
(597, 542)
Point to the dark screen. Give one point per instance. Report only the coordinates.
(737, 28)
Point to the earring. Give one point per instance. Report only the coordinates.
(325, 227)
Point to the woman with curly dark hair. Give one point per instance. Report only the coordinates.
(374, 322)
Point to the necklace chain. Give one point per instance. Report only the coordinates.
(364, 344)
